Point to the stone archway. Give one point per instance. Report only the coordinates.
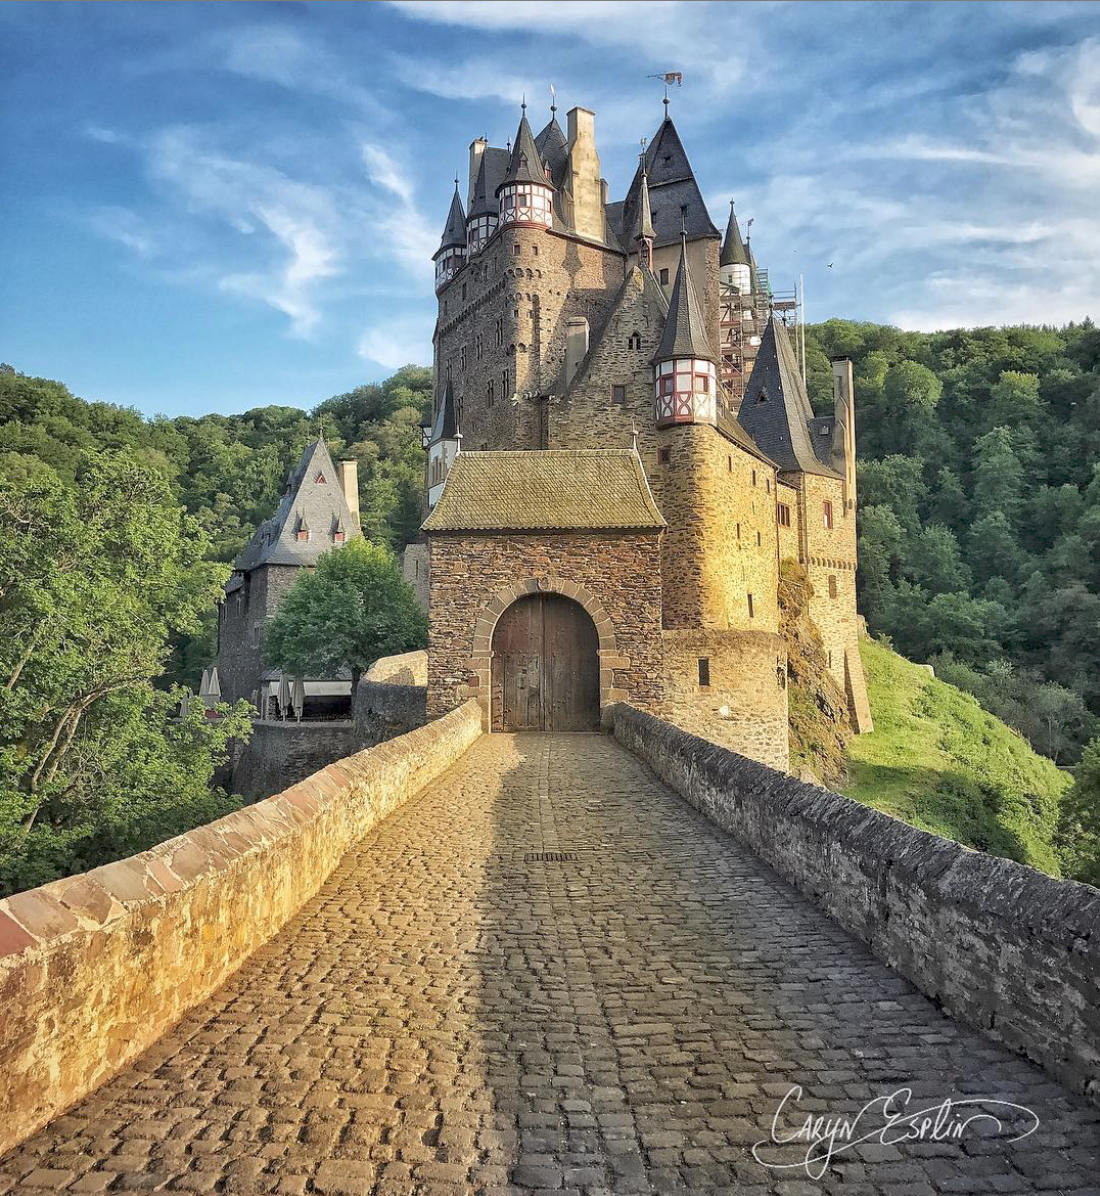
(480, 663)
(545, 667)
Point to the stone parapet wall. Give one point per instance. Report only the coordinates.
(94, 968)
(384, 710)
(409, 668)
(995, 943)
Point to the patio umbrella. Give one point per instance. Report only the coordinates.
(284, 694)
(299, 699)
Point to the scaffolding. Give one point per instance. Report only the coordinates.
(742, 316)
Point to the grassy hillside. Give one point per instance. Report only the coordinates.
(937, 760)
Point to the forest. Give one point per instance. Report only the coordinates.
(979, 493)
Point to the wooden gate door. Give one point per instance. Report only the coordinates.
(546, 668)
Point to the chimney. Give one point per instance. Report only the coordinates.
(349, 483)
(584, 175)
(603, 192)
(576, 344)
(477, 148)
(844, 426)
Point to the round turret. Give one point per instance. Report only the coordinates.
(526, 196)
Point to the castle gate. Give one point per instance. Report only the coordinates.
(546, 670)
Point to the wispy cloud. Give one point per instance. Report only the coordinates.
(384, 171)
(401, 341)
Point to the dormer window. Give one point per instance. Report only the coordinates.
(338, 537)
(319, 480)
(303, 533)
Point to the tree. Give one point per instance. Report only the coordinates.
(352, 609)
(1079, 821)
(94, 581)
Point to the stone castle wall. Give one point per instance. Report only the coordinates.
(616, 573)
(279, 754)
(243, 616)
(997, 944)
(533, 281)
(744, 706)
(94, 968)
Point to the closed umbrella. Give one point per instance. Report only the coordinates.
(299, 699)
(284, 695)
(215, 684)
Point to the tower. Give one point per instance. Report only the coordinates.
(450, 257)
(444, 444)
(685, 365)
(526, 194)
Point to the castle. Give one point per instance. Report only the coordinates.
(622, 451)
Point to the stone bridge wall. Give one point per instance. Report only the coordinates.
(94, 968)
(997, 944)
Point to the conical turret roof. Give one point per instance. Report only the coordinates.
(446, 420)
(734, 252)
(454, 231)
(553, 149)
(491, 168)
(525, 165)
(685, 333)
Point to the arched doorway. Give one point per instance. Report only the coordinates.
(546, 667)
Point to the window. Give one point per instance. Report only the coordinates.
(783, 515)
(752, 613)
(827, 513)
(754, 477)
(479, 347)
(535, 250)
(634, 341)
(319, 480)
(515, 251)
(664, 456)
(463, 290)
(504, 384)
(704, 670)
(462, 358)
(618, 393)
(500, 330)
(664, 277)
(491, 398)
(768, 485)
(303, 534)
(739, 531)
(759, 542)
(729, 465)
(832, 586)
(338, 537)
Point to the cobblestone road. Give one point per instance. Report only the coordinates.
(451, 1016)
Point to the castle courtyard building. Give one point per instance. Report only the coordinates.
(605, 516)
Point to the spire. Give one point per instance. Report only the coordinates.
(685, 333)
(643, 221)
(525, 165)
(454, 231)
(480, 203)
(734, 252)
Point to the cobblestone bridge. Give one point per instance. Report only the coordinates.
(453, 1014)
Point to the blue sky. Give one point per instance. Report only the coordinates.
(208, 207)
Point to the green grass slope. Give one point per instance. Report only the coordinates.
(938, 761)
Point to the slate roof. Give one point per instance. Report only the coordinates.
(553, 148)
(454, 231)
(643, 217)
(319, 505)
(685, 333)
(672, 187)
(551, 489)
(490, 174)
(525, 164)
(776, 410)
(446, 420)
(734, 252)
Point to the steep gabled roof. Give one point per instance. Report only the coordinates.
(673, 192)
(548, 489)
(734, 252)
(685, 333)
(776, 410)
(312, 500)
(490, 174)
(525, 164)
(454, 231)
(446, 420)
(553, 148)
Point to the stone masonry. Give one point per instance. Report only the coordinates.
(454, 1013)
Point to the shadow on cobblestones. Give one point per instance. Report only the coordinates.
(452, 1016)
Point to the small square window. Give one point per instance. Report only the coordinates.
(704, 670)
(664, 456)
(515, 251)
(664, 277)
(618, 393)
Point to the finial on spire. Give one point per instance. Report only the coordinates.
(683, 222)
(553, 101)
(523, 102)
